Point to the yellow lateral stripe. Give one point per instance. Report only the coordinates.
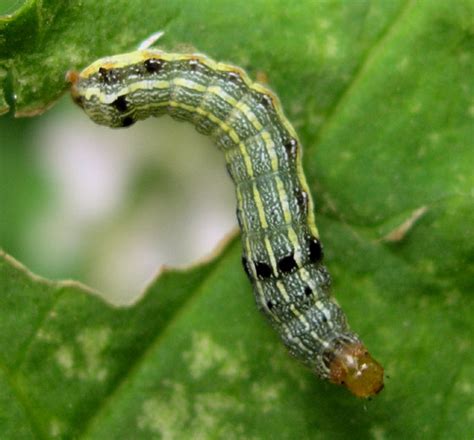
(219, 92)
(249, 114)
(250, 256)
(232, 134)
(259, 205)
(306, 278)
(139, 85)
(300, 316)
(296, 246)
(323, 309)
(188, 84)
(270, 145)
(271, 255)
(244, 219)
(283, 197)
(282, 289)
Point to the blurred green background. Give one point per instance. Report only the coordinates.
(109, 207)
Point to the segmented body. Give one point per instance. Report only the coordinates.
(282, 253)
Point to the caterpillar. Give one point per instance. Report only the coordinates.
(282, 252)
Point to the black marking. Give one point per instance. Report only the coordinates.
(246, 267)
(303, 201)
(266, 100)
(121, 103)
(308, 291)
(107, 76)
(153, 65)
(263, 270)
(127, 121)
(269, 305)
(194, 64)
(287, 264)
(234, 76)
(315, 250)
(291, 147)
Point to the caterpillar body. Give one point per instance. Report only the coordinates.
(282, 253)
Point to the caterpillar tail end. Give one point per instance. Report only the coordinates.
(353, 367)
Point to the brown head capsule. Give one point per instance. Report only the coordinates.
(353, 367)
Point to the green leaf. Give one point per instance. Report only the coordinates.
(382, 96)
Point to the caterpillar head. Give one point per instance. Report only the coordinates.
(354, 367)
(101, 89)
(98, 98)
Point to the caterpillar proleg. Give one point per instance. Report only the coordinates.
(282, 252)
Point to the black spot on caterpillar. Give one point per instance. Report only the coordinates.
(282, 253)
(263, 270)
(153, 65)
(121, 103)
(287, 264)
(315, 250)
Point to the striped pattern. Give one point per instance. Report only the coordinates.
(281, 249)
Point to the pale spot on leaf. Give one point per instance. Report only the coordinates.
(377, 433)
(165, 417)
(331, 46)
(465, 387)
(267, 394)
(85, 360)
(324, 24)
(92, 343)
(64, 357)
(470, 111)
(56, 428)
(206, 356)
(434, 137)
(181, 414)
